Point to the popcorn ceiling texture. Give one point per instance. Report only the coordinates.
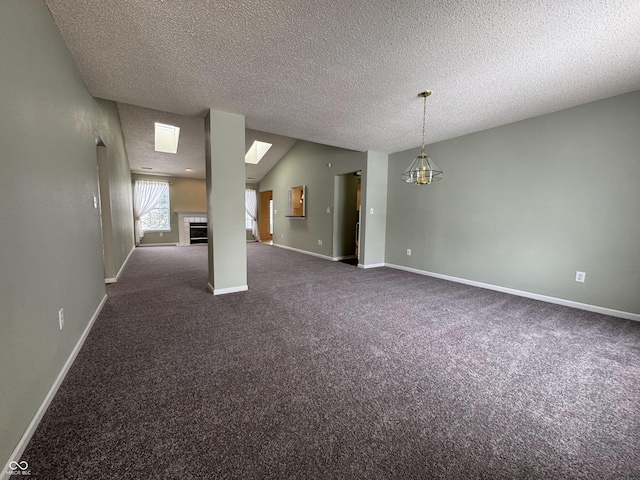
(347, 73)
(138, 127)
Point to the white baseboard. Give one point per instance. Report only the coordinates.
(159, 245)
(521, 293)
(372, 265)
(313, 254)
(223, 291)
(335, 259)
(35, 421)
(115, 279)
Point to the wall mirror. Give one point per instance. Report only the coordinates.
(296, 202)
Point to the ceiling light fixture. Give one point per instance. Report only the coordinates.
(423, 170)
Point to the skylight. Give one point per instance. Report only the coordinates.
(256, 152)
(167, 138)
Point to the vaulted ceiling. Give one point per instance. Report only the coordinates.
(348, 73)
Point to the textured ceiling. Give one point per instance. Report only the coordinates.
(138, 127)
(279, 146)
(347, 73)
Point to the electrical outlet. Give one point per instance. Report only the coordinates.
(328, 209)
(371, 211)
(61, 318)
(580, 276)
(161, 234)
(408, 252)
(282, 235)
(319, 242)
(123, 247)
(95, 202)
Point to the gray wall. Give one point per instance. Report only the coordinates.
(374, 199)
(528, 204)
(307, 164)
(118, 226)
(50, 235)
(185, 194)
(225, 172)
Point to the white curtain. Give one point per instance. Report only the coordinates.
(145, 197)
(251, 205)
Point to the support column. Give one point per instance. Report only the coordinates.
(225, 168)
(373, 230)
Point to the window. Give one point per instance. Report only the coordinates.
(271, 217)
(248, 221)
(158, 218)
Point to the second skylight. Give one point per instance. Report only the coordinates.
(256, 152)
(166, 138)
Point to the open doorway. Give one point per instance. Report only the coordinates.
(102, 203)
(265, 216)
(346, 217)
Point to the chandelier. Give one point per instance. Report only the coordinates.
(423, 170)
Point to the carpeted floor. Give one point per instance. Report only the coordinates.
(326, 371)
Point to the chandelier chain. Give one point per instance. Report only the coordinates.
(423, 170)
(424, 116)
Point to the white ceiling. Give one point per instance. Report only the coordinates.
(348, 73)
(138, 127)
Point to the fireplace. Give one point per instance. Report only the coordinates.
(185, 219)
(197, 232)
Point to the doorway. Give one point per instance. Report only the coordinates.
(346, 217)
(265, 216)
(103, 204)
